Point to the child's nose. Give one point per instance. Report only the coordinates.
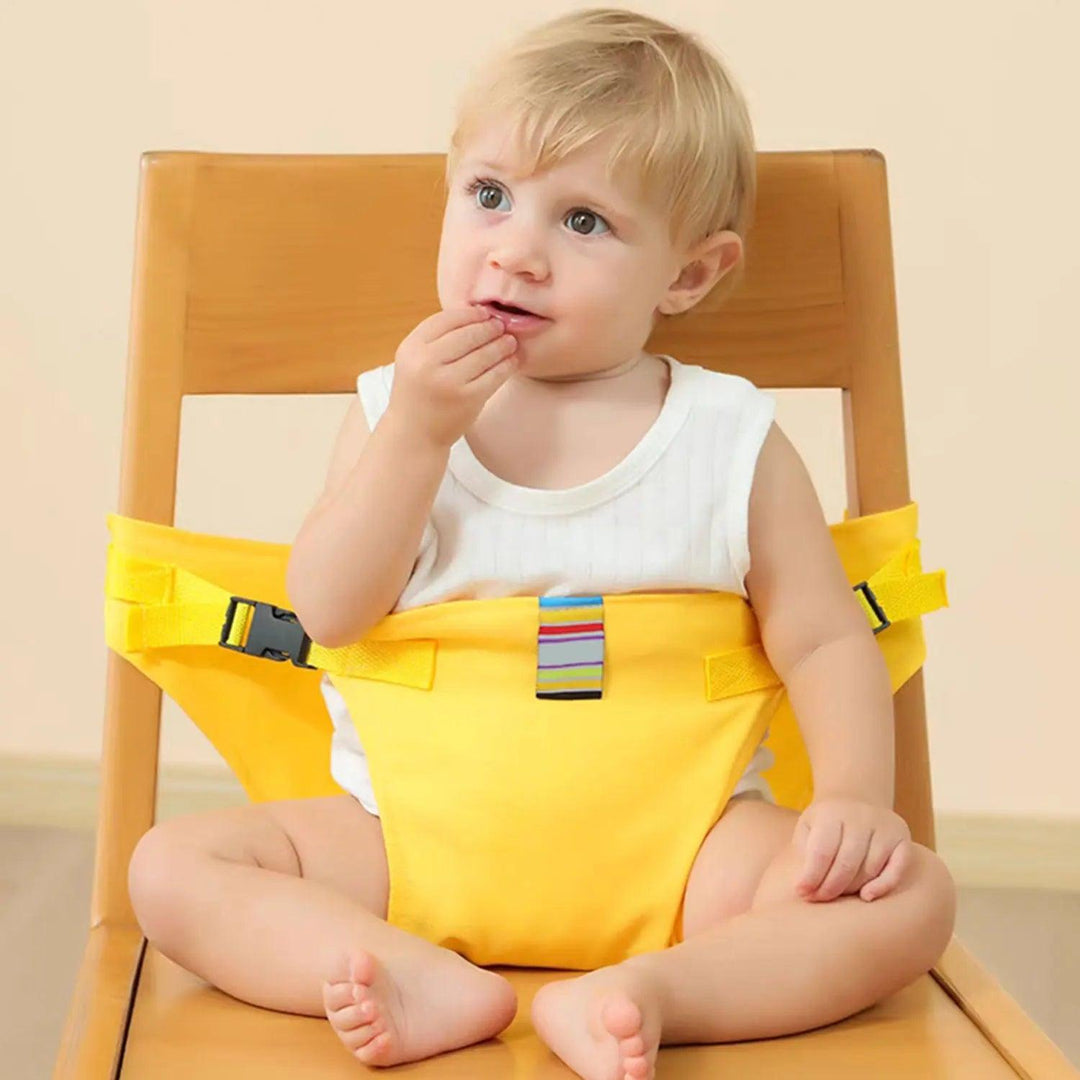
(519, 250)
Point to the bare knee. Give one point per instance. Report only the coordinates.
(921, 912)
(157, 862)
(172, 865)
(933, 906)
(925, 896)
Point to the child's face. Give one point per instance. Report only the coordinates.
(599, 276)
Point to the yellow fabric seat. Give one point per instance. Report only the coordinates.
(501, 802)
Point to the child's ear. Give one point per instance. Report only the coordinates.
(703, 266)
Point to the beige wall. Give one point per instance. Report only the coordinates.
(973, 105)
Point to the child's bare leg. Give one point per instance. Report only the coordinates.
(783, 966)
(283, 905)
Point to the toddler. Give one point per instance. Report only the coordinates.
(601, 178)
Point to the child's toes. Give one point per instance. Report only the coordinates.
(361, 966)
(337, 996)
(378, 1048)
(349, 1006)
(352, 1017)
(361, 1037)
(352, 967)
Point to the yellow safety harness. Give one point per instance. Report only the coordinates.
(534, 812)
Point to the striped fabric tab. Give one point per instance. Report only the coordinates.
(570, 647)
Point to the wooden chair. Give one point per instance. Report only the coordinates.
(263, 274)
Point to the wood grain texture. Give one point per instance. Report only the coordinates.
(1026, 1048)
(92, 1044)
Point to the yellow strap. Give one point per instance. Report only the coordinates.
(154, 605)
(738, 671)
(900, 589)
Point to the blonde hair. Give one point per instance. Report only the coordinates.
(682, 130)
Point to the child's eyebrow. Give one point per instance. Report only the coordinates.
(617, 212)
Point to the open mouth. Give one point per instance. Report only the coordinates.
(510, 309)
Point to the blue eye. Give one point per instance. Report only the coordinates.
(480, 185)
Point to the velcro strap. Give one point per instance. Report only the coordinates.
(900, 588)
(738, 672)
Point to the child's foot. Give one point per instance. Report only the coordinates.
(408, 1009)
(605, 1025)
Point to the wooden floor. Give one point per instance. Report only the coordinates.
(1029, 939)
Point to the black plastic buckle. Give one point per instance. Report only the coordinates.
(274, 633)
(878, 610)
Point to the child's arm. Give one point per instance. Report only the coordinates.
(820, 643)
(357, 546)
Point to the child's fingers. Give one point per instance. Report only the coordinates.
(881, 847)
(847, 864)
(890, 877)
(821, 847)
(447, 319)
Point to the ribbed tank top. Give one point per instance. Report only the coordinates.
(671, 515)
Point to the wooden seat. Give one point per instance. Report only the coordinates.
(290, 274)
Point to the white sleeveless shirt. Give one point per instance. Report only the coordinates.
(671, 515)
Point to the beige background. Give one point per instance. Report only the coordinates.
(972, 104)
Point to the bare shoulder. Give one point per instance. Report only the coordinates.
(796, 583)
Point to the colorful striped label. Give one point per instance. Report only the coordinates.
(570, 647)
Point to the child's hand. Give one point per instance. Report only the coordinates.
(447, 368)
(851, 846)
